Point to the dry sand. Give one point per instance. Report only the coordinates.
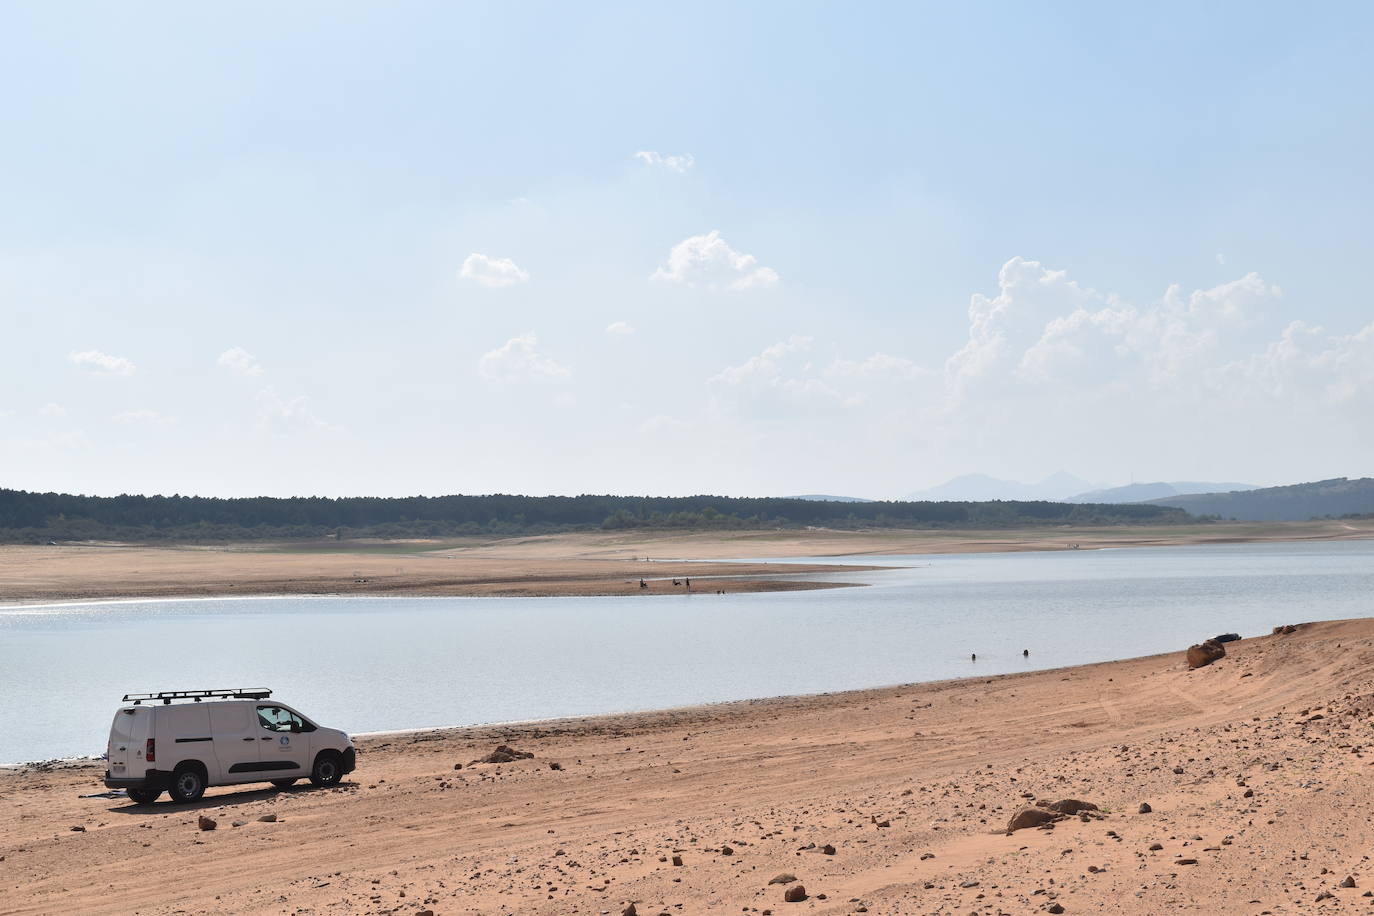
(583, 563)
(1255, 767)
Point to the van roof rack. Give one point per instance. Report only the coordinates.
(167, 696)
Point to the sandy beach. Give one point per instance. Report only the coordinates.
(581, 563)
(1255, 770)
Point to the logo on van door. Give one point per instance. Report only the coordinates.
(285, 740)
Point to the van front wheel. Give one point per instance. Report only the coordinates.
(327, 770)
(188, 784)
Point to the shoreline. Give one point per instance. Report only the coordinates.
(894, 799)
(589, 564)
(643, 717)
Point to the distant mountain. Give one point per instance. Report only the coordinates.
(1299, 502)
(981, 487)
(822, 498)
(1140, 492)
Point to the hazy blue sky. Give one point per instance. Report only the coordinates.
(738, 248)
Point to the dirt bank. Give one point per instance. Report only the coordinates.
(1256, 769)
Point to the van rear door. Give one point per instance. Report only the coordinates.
(129, 734)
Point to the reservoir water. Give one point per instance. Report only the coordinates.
(370, 664)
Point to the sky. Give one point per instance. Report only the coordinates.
(730, 248)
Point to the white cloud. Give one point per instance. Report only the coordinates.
(879, 365)
(492, 272)
(144, 416)
(769, 367)
(1044, 328)
(519, 359)
(1304, 365)
(53, 410)
(788, 370)
(680, 163)
(278, 411)
(708, 260)
(102, 363)
(240, 362)
(619, 328)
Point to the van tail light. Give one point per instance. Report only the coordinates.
(150, 755)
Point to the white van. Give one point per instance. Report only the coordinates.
(186, 740)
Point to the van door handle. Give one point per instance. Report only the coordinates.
(263, 738)
(247, 739)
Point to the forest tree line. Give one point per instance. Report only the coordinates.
(39, 517)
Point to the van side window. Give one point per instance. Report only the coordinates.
(276, 719)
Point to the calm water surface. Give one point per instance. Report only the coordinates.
(369, 664)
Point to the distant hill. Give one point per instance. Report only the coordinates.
(981, 487)
(823, 498)
(1141, 492)
(39, 517)
(1298, 502)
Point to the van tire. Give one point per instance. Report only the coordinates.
(143, 796)
(188, 783)
(328, 770)
(284, 783)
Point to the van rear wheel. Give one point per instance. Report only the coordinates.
(188, 784)
(284, 783)
(143, 796)
(327, 770)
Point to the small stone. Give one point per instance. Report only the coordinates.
(1145, 808)
(1185, 861)
(1349, 881)
(1156, 847)
(727, 851)
(268, 819)
(968, 884)
(1055, 908)
(457, 766)
(555, 765)
(784, 878)
(629, 911)
(206, 823)
(238, 823)
(794, 894)
(677, 860)
(78, 829)
(1248, 793)
(828, 849)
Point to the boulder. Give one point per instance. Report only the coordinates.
(206, 823)
(504, 754)
(784, 878)
(1031, 817)
(1069, 806)
(1285, 629)
(794, 894)
(1204, 653)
